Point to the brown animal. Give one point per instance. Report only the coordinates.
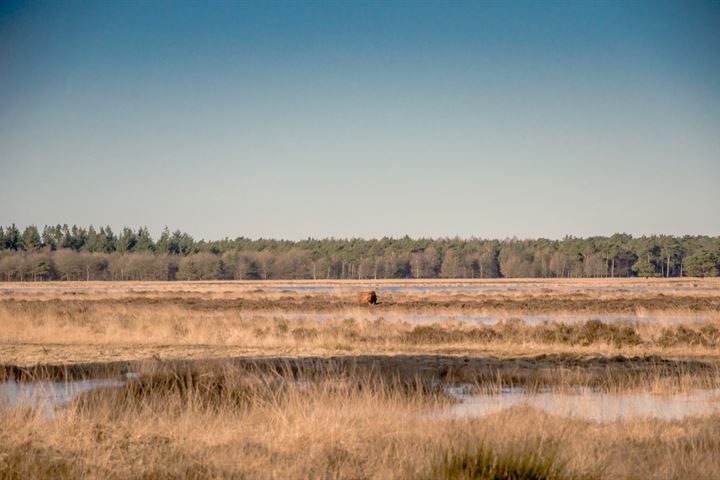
(369, 297)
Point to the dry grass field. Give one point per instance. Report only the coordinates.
(78, 322)
(298, 380)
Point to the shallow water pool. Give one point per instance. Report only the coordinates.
(48, 395)
(589, 404)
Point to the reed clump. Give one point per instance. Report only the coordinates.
(480, 463)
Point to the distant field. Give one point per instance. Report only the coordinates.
(74, 322)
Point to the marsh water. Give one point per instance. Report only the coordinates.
(589, 404)
(49, 396)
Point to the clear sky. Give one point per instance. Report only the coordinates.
(296, 119)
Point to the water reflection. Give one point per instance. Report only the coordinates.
(585, 403)
(48, 395)
(589, 404)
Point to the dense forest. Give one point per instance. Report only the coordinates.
(75, 253)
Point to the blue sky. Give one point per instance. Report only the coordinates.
(297, 119)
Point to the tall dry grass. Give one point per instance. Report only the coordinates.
(233, 426)
(59, 327)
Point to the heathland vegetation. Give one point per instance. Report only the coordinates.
(256, 379)
(76, 253)
(101, 321)
(228, 424)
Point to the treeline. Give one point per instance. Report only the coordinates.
(76, 253)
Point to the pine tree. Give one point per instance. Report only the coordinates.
(144, 241)
(163, 244)
(12, 238)
(92, 242)
(126, 241)
(31, 238)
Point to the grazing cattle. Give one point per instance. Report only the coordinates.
(369, 297)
